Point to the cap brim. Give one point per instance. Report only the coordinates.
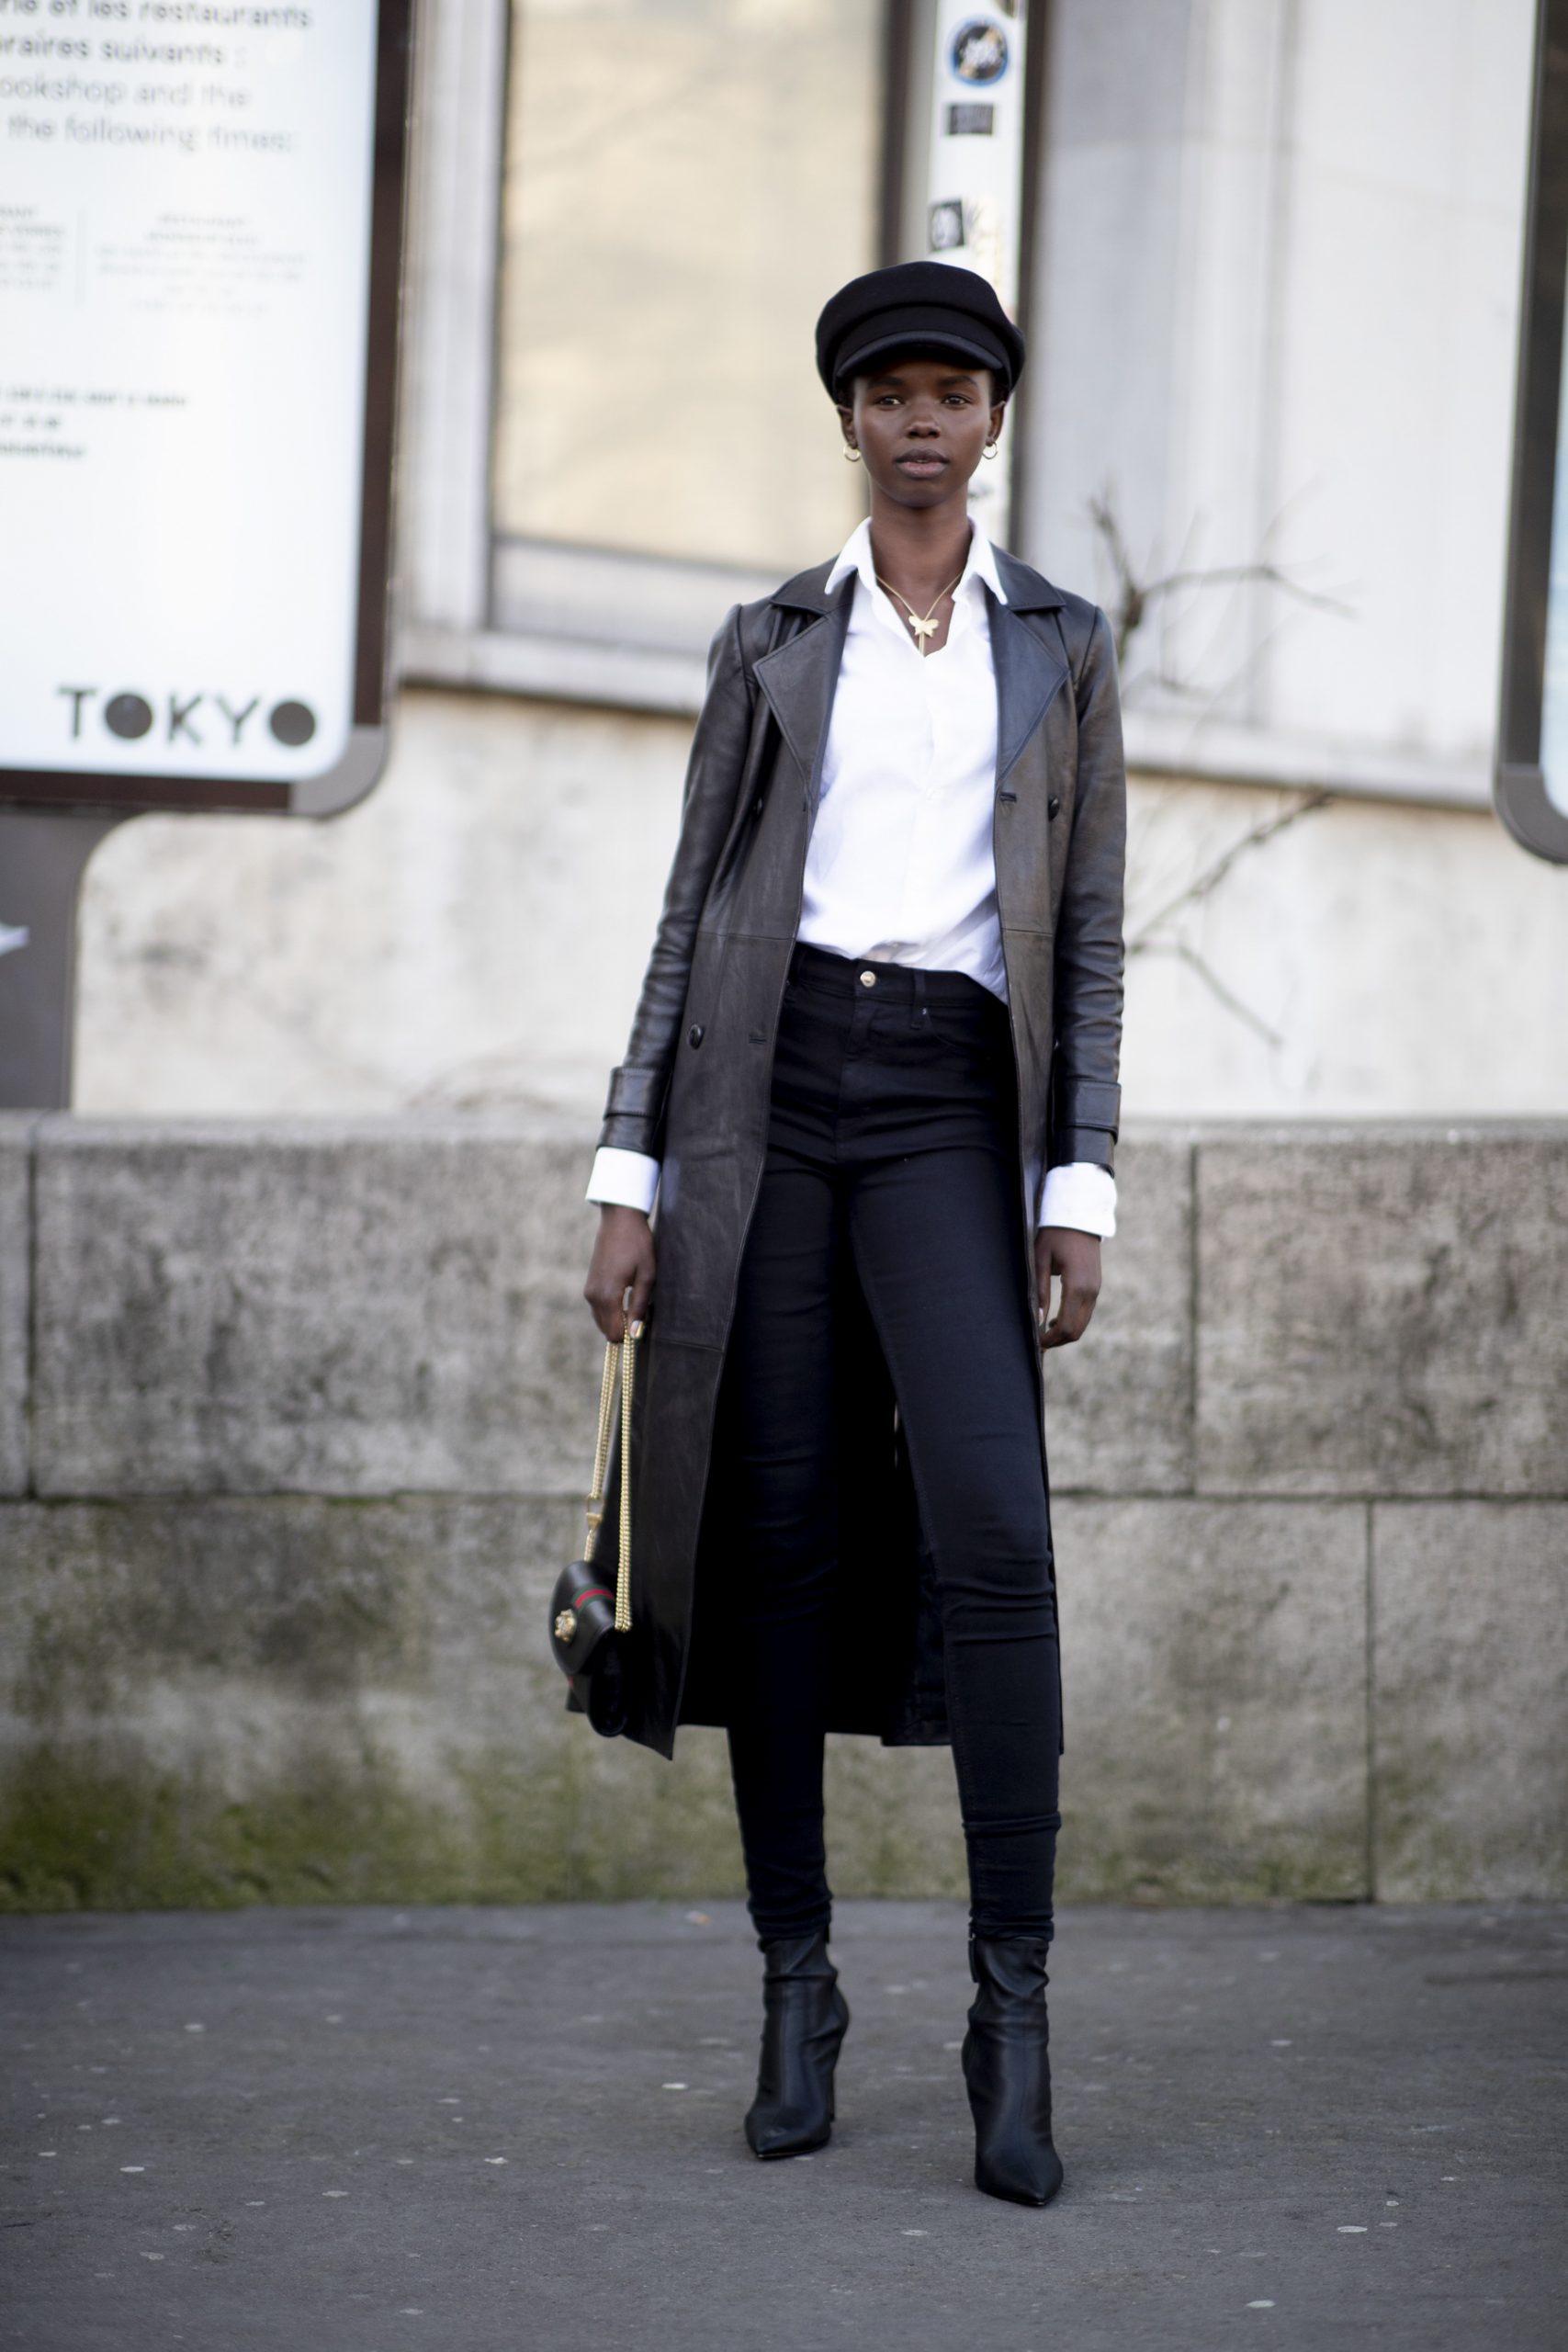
(974, 345)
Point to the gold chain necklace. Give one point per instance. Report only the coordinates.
(923, 624)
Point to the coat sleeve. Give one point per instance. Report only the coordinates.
(1085, 1096)
(634, 1111)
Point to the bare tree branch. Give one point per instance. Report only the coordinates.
(1135, 597)
(1209, 879)
(1210, 978)
(1158, 934)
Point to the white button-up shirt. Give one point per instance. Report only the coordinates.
(900, 866)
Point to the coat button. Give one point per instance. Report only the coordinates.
(694, 1034)
(1051, 805)
(868, 979)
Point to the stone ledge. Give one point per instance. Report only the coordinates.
(248, 1699)
(17, 1130)
(312, 1309)
(242, 1699)
(379, 1306)
(1470, 1701)
(1118, 1404)
(1216, 1699)
(1378, 1320)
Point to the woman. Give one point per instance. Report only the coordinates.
(872, 1078)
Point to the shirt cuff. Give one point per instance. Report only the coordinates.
(1079, 1194)
(627, 1178)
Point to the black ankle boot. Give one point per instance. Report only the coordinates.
(803, 2017)
(1007, 2068)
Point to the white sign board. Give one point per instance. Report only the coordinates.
(974, 180)
(188, 205)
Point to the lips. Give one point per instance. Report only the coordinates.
(922, 461)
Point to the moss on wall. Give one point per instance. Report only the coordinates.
(99, 1832)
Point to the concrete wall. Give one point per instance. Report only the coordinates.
(293, 1428)
(472, 936)
(1251, 271)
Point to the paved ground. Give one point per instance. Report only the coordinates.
(347, 2130)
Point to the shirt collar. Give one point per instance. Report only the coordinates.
(855, 556)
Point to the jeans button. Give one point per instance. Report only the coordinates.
(868, 979)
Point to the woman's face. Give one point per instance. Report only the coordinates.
(921, 425)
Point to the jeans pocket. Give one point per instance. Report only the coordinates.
(971, 1031)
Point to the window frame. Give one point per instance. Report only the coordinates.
(481, 607)
(470, 609)
(1524, 805)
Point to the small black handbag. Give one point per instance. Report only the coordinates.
(586, 1618)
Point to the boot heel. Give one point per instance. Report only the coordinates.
(804, 2020)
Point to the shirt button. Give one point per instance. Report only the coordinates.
(868, 979)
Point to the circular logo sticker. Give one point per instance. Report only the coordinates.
(979, 51)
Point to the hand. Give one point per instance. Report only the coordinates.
(620, 1274)
(1074, 1257)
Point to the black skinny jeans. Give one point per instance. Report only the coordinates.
(893, 1136)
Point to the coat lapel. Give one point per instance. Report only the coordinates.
(799, 677)
(1030, 668)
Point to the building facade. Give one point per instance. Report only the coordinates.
(1270, 260)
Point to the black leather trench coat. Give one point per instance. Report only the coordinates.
(693, 1090)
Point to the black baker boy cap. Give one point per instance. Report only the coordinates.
(916, 306)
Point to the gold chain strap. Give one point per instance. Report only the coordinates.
(619, 1358)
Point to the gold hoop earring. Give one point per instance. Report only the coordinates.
(851, 455)
(989, 450)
